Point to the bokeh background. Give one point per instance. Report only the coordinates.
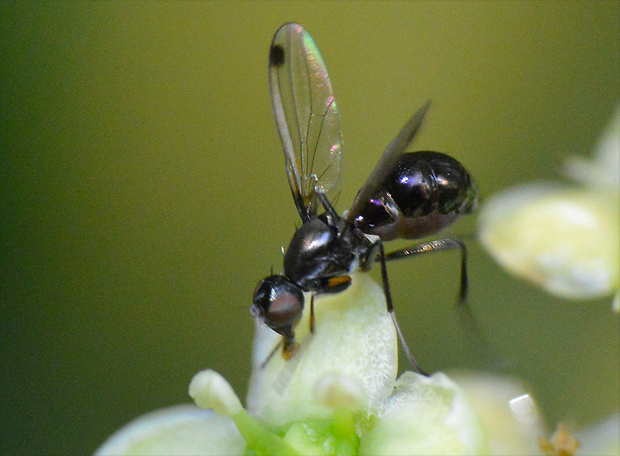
(143, 191)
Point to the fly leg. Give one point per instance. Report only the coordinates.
(289, 348)
(273, 351)
(390, 309)
(312, 314)
(466, 315)
(436, 246)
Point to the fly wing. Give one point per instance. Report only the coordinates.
(388, 161)
(306, 116)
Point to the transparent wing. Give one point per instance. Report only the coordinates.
(388, 160)
(306, 115)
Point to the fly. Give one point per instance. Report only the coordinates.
(407, 195)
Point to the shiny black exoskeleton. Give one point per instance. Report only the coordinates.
(407, 195)
(426, 192)
(318, 259)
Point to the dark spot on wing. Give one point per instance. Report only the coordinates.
(276, 56)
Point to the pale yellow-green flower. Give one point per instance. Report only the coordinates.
(602, 438)
(337, 395)
(503, 403)
(565, 239)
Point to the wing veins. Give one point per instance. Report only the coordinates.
(318, 139)
(301, 93)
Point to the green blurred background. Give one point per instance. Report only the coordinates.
(144, 194)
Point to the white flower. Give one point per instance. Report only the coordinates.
(180, 430)
(337, 395)
(602, 438)
(503, 403)
(563, 239)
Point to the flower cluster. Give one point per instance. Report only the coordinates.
(337, 395)
(340, 395)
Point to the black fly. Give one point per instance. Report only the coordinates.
(407, 195)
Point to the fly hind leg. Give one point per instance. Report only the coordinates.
(428, 247)
(390, 309)
(436, 246)
(466, 315)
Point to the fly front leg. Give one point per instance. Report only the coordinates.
(289, 347)
(331, 285)
(436, 246)
(312, 313)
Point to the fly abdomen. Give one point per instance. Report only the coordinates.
(426, 192)
(427, 182)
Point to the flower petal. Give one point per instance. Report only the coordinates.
(425, 415)
(209, 389)
(353, 336)
(510, 417)
(603, 171)
(180, 430)
(564, 240)
(338, 391)
(602, 438)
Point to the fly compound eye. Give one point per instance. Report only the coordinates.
(279, 303)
